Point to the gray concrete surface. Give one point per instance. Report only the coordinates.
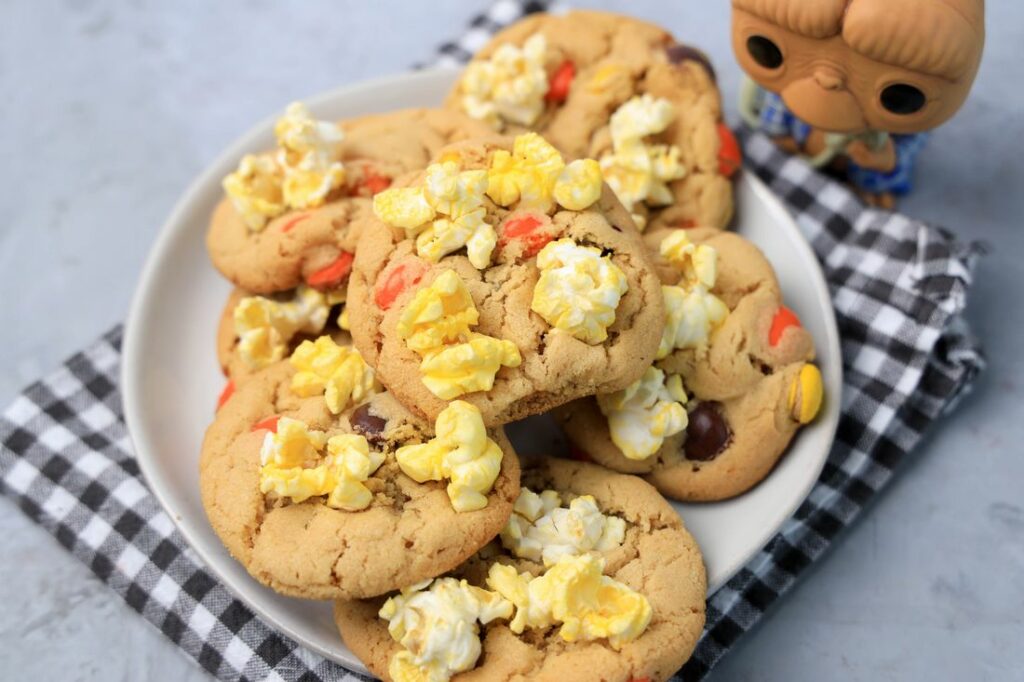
(109, 109)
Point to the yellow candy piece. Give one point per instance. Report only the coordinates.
(574, 593)
(255, 190)
(337, 372)
(579, 185)
(578, 290)
(404, 207)
(806, 394)
(461, 452)
(645, 413)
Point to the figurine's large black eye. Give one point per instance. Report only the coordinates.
(764, 51)
(902, 99)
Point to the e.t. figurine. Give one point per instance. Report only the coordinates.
(854, 85)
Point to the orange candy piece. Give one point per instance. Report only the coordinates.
(561, 80)
(783, 320)
(287, 227)
(397, 281)
(524, 228)
(229, 389)
(374, 182)
(729, 156)
(334, 274)
(268, 424)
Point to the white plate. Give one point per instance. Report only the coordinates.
(171, 379)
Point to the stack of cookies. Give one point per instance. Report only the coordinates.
(551, 242)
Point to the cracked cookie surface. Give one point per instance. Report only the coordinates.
(657, 558)
(613, 59)
(408, 533)
(740, 387)
(555, 367)
(294, 247)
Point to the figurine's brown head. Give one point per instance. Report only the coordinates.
(901, 66)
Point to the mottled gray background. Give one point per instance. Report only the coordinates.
(109, 110)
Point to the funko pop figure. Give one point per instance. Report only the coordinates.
(854, 85)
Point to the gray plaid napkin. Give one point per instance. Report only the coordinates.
(898, 286)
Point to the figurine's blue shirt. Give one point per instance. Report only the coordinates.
(775, 119)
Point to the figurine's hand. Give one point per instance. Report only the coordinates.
(883, 159)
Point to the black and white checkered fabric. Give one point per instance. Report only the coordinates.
(899, 288)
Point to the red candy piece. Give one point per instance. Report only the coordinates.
(334, 274)
(561, 79)
(268, 424)
(373, 182)
(524, 229)
(397, 281)
(229, 388)
(784, 319)
(729, 156)
(687, 224)
(293, 222)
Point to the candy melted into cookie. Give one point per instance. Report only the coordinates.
(618, 90)
(562, 302)
(731, 384)
(317, 504)
(595, 578)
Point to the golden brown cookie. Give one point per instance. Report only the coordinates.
(747, 390)
(315, 245)
(613, 88)
(279, 325)
(565, 302)
(657, 558)
(408, 532)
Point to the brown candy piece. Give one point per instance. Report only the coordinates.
(707, 434)
(367, 424)
(678, 53)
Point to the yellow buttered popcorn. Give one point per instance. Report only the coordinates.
(645, 413)
(691, 315)
(635, 170)
(446, 214)
(451, 371)
(579, 185)
(303, 171)
(527, 175)
(541, 529)
(437, 324)
(436, 622)
(292, 466)
(576, 594)
(461, 452)
(255, 190)
(309, 154)
(578, 290)
(509, 86)
(337, 372)
(698, 263)
(265, 326)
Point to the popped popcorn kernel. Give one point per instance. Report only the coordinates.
(579, 185)
(527, 174)
(645, 413)
(461, 452)
(542, 529)
(578, 290)
(308, 152)
(698, 263)
(337, 372)
(574, 593)
(437, 324)
(293, 466)
(255, 190)
(436, 622)
(265, 327)
(691, 315)
(404, 207)
(509, 86)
